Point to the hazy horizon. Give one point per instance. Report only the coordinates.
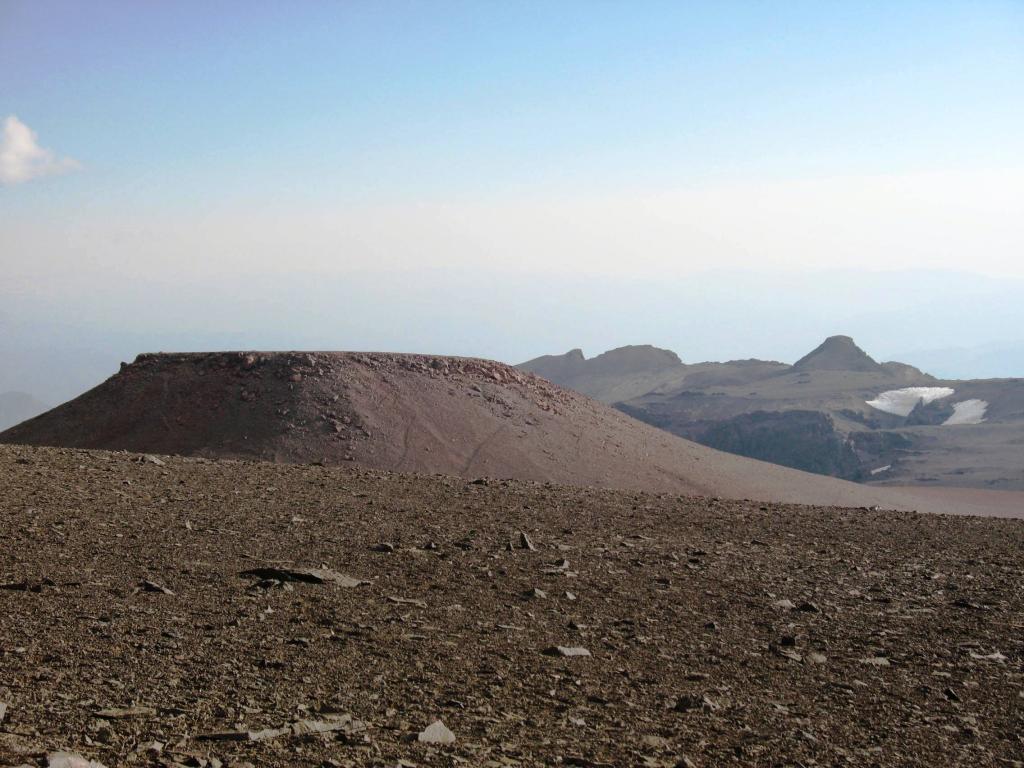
(721, 316)
(736, 180)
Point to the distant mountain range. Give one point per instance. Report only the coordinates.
(16, 407)
(836, 411)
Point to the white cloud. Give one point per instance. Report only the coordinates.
(22, 159)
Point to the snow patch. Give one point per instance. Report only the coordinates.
(880, 470)
(901, 402)
(967, 412)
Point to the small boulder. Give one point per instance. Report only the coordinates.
(436, 733)
(307, 575)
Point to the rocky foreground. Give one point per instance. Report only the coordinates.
(158, 611)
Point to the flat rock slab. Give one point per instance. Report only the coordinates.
(308, 727)
(995, 656)
(406, 601)
(306, 575)
(70, 760)
(566, 650)
(330, 724)
(117, 713)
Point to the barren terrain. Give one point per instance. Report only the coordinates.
(183, 611)
(816, 415)
(420, 413)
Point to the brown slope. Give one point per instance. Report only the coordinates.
(410, 413)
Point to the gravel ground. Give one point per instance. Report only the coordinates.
(164, 611)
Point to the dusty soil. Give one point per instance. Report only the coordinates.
(719, 632)
(415, 413)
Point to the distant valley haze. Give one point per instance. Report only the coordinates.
(57, 347)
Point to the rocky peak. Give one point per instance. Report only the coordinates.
(837, 353)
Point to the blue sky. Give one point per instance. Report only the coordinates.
(200, 143)
(167, 102)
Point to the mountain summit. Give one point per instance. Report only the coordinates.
(838, 353)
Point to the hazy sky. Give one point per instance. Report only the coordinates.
(505, 179)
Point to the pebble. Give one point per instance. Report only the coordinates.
(876, 661)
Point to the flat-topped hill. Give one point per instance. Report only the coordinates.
(409, 413)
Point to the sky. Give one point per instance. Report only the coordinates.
(734, 179)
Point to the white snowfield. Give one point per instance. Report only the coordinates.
(901, 402)
(967, 412)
